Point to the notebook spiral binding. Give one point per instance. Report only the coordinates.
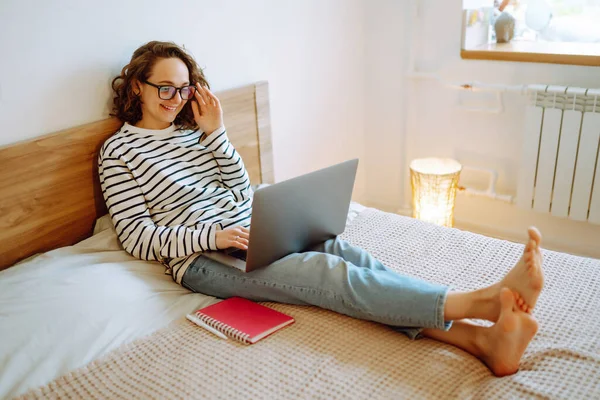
(224, 328)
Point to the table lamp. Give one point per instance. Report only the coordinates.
(434, 184)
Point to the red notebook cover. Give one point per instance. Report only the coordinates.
(243, 319)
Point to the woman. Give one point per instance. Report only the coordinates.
(175, 187)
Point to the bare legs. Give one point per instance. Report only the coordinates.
(508, 303)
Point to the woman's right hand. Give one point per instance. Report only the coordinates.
(236, 236)
(207, 110)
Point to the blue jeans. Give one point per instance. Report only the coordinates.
(333, 275)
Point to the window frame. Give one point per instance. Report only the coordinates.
(585, 54)
(570, 53)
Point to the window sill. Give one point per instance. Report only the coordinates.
(538, 52)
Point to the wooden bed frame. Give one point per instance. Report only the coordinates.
(49, 189)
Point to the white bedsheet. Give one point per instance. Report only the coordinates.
(65, 308)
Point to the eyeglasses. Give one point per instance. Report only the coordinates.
(168, 92)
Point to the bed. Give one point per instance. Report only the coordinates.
(80, 318)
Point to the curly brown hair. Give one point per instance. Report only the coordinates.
(127, 104)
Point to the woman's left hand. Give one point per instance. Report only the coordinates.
(207, 110)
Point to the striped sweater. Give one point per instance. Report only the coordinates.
(169, 191)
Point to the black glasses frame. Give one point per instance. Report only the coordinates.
(192, 89)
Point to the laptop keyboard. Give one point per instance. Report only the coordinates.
(240, 254)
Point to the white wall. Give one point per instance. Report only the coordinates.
(58, 58)
(386, 60)
(338, 89)
(430, 122)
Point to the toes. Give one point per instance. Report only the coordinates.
(530, 246)
(524, 307)
(532, 262)
(530, 251)
(533, 246)
(535, 235)
(520, 303)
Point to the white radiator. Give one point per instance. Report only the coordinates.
(560, 165)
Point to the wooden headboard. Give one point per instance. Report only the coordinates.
(49, 190)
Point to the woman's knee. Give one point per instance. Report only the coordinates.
(310, 267)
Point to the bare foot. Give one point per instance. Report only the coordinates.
(503, 344)
(526, 278)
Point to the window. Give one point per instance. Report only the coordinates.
(555, 31)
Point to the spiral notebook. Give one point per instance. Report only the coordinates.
(240, 319)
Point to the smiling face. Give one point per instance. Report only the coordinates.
(158, 113)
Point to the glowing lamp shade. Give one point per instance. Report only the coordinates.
(434, 183)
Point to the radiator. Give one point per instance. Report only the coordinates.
(560, 164)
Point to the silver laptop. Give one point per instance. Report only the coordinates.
(291, 216)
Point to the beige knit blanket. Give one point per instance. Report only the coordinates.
(329, 356)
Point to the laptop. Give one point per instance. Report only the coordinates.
(293, 215)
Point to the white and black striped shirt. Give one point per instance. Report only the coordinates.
(168, 193)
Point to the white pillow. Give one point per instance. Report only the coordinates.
(103, 223)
